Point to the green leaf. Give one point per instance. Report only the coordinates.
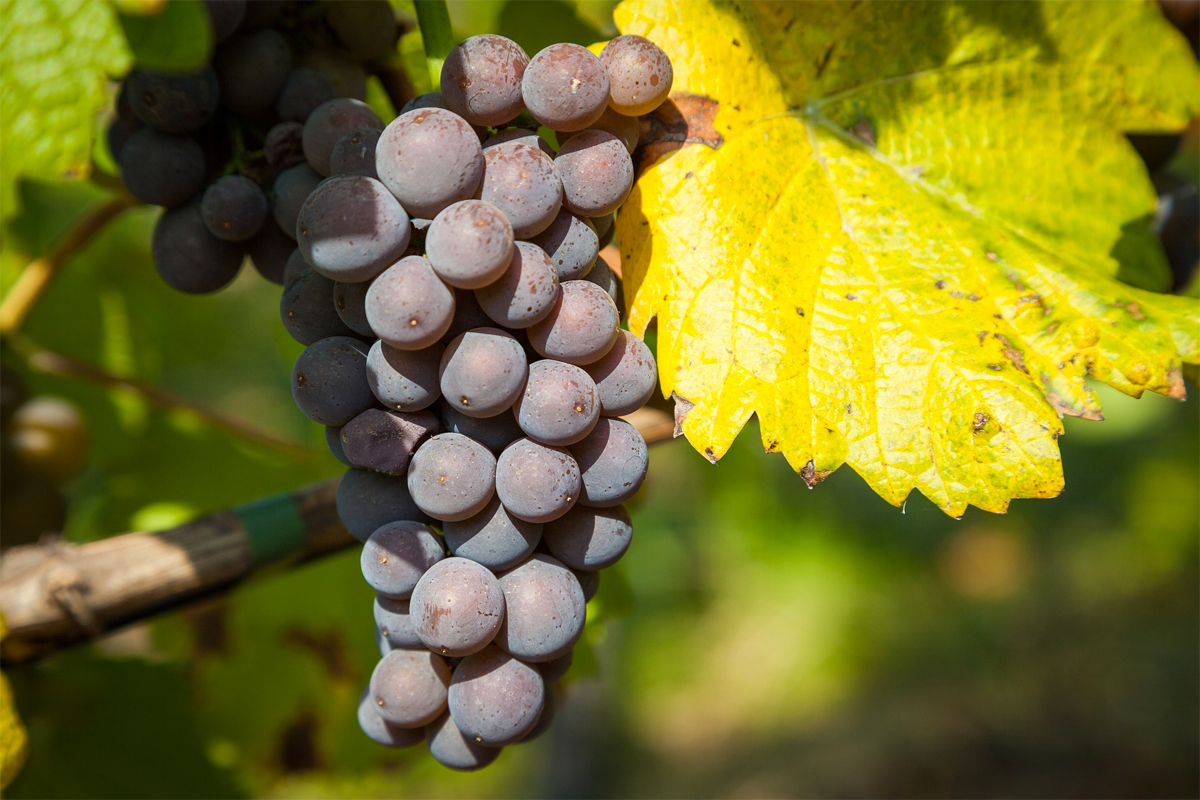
(177, 39)
(54, 55)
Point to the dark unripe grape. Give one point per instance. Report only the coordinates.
(558, 405)
(639, 73)
(350, 302)
(269, 251)
(456, 607)
(454, 750)
(427, 100)
(307, 311)
(494, 698)
(544, 609)
(295, 266)
(521, 181)
(469, 244)
(226, 16)
(381, 732)
(119, 131)
(385, 440)
(161, 169)
(345, 74)
(406, 380)
(627, 129)
(481, 79)
(493, 537)
(590, 539)
(354, 153)
(429, 158)
(329, 380)
(494, 433)
(304, 90)
(234, 208)
(251, 68)
(396, 556)
(291, 189)
(519, 136)
(188, 257)
(351, 228)
(535, 482)
(468, 315)
(49, 438)
(482, 371)
(603, 276)
(408, 306)
(596, 173)
(367, 500)
(580, 328)
(452, 477)
(408, 687)
(556, 669)
(625, 376)
(333, 440)
(612, 463)
(173, 102)
(394, 622)
(565, 87)
(367, 28)
(525, 293)
(571, 243)
(329, 122)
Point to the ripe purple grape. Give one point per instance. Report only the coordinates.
(596, 173)
(603, 276)
(565, 87)
(493, 537)
(544, 609)
(283, 146)
(571, 243)
(354, 154)
(452, 477)
(162, 169)
(581, 327)
(304, 90)
(397, 554)
(429, 158)
(269, 251)
(333, 440)
(234, 208)
(525, 293)
(481, 80)
(173, 102)
(590, 581)
(537, 483)
(494, 433)
(482, 372)
(468, 315)
(252, 68)
(426, 100)
(393, 621)
(451, 748)
(188, 257)
(367, 28)
(469, 244)
(457, 607)
(640, 74)
(381, 732)
(291, 189)
(408, 306)
(368, 500)
(522, 182)
(625, 376)
(351, 228)
(409, 687)
(627, 129)
(556, 669)
(590, 539)
(384, 441)
(329, 381)
(406, 380)
(612, 463)
(558, 405)
(307, 310)
(350, 302)
(519, 136)
(225, 16)
(494, 698)
(329, 122)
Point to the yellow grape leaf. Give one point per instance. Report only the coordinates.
(922, 232)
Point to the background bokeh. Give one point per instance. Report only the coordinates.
(759, 640)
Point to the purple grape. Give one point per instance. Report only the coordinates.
(596, 173)
(381, 732)
(604, 227)
(307, 310)
(494, 433)
(590, 539)
(283, 146)
(409, 688)
(590, 581)
(603, 276)
(345, 75)
(640, 75)
(354, 153)
(481, 79)
(427, 100)
(544, 609)
(556, 669)
(329, 380)
(469, 244)
(234, 208)
(393, 621)
(367, 27)
(304, 90)
(251, 68)
(522, 182)
(119, 131)
(269, 251)
(396, 556)
(429, 158)
(408, 306)
(452, 477)
(520, 136)
(188, 257)
(627, 129)
(162, 169)
(406, 380)
(382, 644)
(525, 293)
(537, 483)
(384, 440)
(468, 315)
(558, 405)
(494, 698)
(571, 243)
(565, 87)
(581, 327)
(482, 371)
(450, 748)
(351, 228)
(549, 711)
(291, 189)
(173, 102)
(612, 463)
(625, 376)
(368, 500)
(333, 440)
(493, 537)
(294, 267)
(225, 16)
(350, 302)
(457, 607)
(329, 122)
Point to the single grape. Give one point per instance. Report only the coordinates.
(283, 146)
(456, 607)
(409, 687)
(544, 609)
(590, 581)
(520, 136)
(452, 477)
(625, 376)
(565, 87)
(291, 189)
(525, 293)
(604, 227)
(367, 28)
(346, 75)
(571, 243)
(556, 669)
(521, 181)
(639, 73)
(469, 244)
(119, 131)
(427, 100)
(549, 711)
(188, 257)
(580, 328)
(234, 208)
(295, 266)
(468, 315)
(252, 67)
(351, 228)
(452, 749)
(380, 732)
(329, 381)
(382, 644)
(367, 500)
(408, 307)
(354, 153)
(494, 698)
(493, 537)
(269, 251)
(304, 90)
(396, 556)
(350, 302)
(173, 102)
(429, 158)
(392, 619)
(48, 438)
(161, 169)
(406, 380)
(627, 129)
(385, 440)
(590, 539)
(596, 173)
(225, 16)
(558, 405)
(494, 433)
(307, 310)
(481, 79)
(329, 122)
(482, 371)
(603, 276)
(612, 463)
(537, 483)
(333, 440)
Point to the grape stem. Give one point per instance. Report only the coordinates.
(433, 18)
(36, 277)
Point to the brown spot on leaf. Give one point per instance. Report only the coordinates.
(682, 120)
(683, 407)
(1011, 353)
(811, 475)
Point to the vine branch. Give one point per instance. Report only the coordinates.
(433, 18)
